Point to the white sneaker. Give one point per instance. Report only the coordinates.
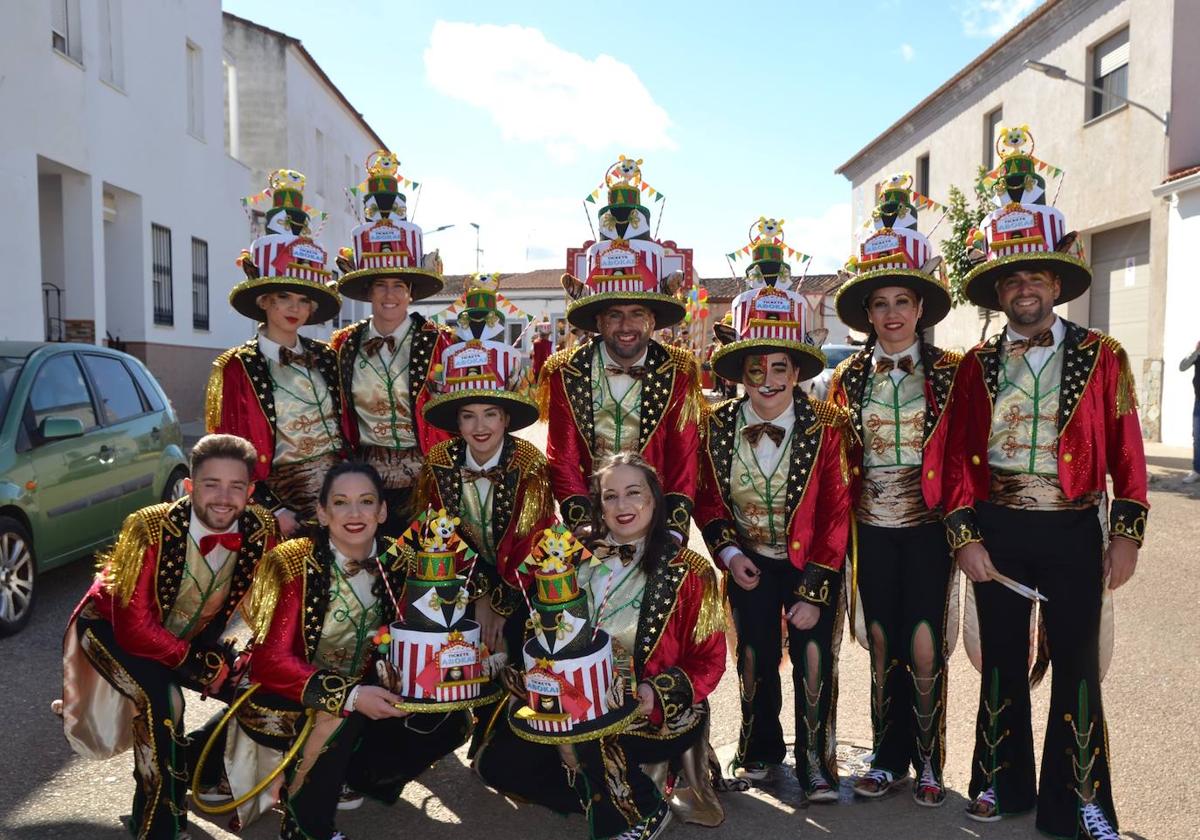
(349, 799)
(1096, 824)
(1191, 478)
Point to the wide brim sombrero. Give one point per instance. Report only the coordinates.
(667, 310)
(244, 296)
(851, 298)
(490, 693)
(728, 361)
(422, 282)
(610, 723)
(442, 410)
(1072, 272)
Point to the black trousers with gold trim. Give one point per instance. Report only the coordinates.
(758, 620)
(904, 581)
(377, 758)
(607, 783)
(1059, 553)
(162, 755)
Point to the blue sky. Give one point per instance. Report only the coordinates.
(509, 113)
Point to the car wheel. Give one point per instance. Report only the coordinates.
(173, 490)
(18, 574)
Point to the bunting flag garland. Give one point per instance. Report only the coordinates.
(657, 195)
(791, 252)
(924, 202)
(1041, 165)
(451, 312)
(361, 188)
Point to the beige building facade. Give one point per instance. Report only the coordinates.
(1114, 156)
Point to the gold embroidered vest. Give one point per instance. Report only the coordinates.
(380, 394)
(477, 518)
(202, 593)
(349, 624)
(893, 421)
(758, 501)
(306, 426)
(616, 417)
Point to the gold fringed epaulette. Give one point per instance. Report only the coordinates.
(283, 564)
(1126, 385)
(439, 453)
(215, 389)
(948, 359)
(829, 414)
(711, 616)
(694, 403)
(535, 478)
(267, 524)
(425, 487)
(554, 361)
(340, 336)
(122, 565)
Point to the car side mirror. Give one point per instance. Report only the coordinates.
(60, 428)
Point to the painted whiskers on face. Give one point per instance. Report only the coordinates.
(769, 380)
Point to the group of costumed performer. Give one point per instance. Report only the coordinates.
(773, 506)
(896, 389)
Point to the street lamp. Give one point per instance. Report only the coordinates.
(478, 250)
(436, 229)
(1061, 75)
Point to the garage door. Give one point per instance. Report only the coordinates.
(1120, 297)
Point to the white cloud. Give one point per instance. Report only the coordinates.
(907, 52)
(537, 92)
(992, 18)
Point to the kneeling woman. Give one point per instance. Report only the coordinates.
(316, 606)
(660, 603)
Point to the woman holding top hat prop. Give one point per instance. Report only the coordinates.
(895, 390)
(279, 390)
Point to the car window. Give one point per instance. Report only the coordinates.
(10, 369)
(834, 356)
(119, 397)
(59, 390)
(149, 392)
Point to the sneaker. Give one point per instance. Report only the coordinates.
(928, 791)
(752, 771)
(818, 788)
(349, 799)
(1096, 824)
(874, 783)
(218, 794)
(983, 807)
(1191, 478)
(651, 827)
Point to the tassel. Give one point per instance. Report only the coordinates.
(214, 392)
(121, 567)
(537, 505)
(1126, 388)
(281, 566)
(711, 616)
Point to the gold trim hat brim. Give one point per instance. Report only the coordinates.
(423, 283)
(729, 361)
(610, 723)
(667, 310)
(851, 298)
(244, 297)
(442, 410)
(1074, 274)
(489, 694)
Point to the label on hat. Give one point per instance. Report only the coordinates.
(384, 233)
(1015, 220)
(471, 357)
(773, 303)
(541, 683)
(614, 258)
(457, 656)
(881, 242)
(302, 251)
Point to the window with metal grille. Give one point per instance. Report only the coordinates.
(164, 295)
(1109, 70)
(199, 284)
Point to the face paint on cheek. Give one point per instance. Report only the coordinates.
(756, 370)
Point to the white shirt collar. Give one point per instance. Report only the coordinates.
(908, 352)
(342, 560)
(784, 421)
(494, 461)
(270, 348)
(1058, 330)
(197, 530)
(372, 332)
(606, 359)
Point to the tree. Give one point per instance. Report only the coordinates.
(954, 249)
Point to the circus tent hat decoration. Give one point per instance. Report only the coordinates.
(1023, 233)
(626, 265)
(386, 244)
(893, 253)
(285, 258)
(479, 368)
(768, 317)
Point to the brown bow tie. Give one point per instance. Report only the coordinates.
(353, 567)
(492, 474)
(288, 357)
(372, 345)
(636, 371)
(1017, 348)
(603, 551)
(754, 433)
(887, 365)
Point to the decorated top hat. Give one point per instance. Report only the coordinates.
(893, 253)
(285, 258)
(434, 569)
(768, 317)
(626, 265)
(479, 368)
(1023, 233)
(386, 244)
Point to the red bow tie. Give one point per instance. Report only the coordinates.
(1017, 348)
(289, 357)
(636, 371)
(231, 542)
(887, 365)
(372, 346)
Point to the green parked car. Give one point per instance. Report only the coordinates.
(86, 437)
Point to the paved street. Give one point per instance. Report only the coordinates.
(45, 791)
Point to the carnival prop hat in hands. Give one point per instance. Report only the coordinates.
(1022, 233)
(626, 266)
(768, 317)
(386, 244)
(479, 368)
(285, 259)
(893, 253)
